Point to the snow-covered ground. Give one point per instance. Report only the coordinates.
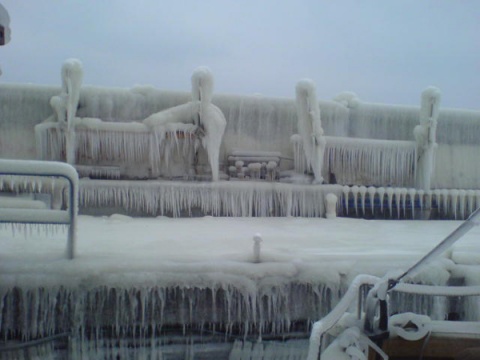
(193, 251)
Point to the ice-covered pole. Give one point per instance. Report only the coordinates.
(310, 126)
(72, 75)
(210, 118)
(257, 240)
(425, 136)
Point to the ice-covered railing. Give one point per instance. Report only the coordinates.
(108, 148)
(369, 161)
(36, 169)
(320, 328)
(377, 327)
(364, 161)
(404, 202)
(229, 198)
(398, 321)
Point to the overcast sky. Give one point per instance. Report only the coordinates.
(384, 51)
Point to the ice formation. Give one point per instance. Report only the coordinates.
(370, 162)
(151, 148)
(310, 127)
(210, 118)
(232, 198)
(425, 136)
(65, 104)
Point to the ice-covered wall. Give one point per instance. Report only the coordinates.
(21, 108)
(457, 158)
(253, 123)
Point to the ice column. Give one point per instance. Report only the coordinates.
(65, 105)
(310, 127)
(210, 118)
(425, 136)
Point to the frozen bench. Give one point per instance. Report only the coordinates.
(46, 169)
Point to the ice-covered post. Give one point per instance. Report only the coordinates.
(257, 239)
(310, 127)
(331, 206)
(425, 136)
(210, 118)
(65, 104)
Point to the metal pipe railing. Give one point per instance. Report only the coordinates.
(48, 169)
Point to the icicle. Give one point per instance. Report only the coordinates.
(428, 199)
(381, 194)
(421, 194)
(398, 201)
(390, 192)
(454, 202)
(411, 193)
(362, 190)
(445, 196)
(346, 193)
(371, 193)
(471, 201)
(462, 200)
(438, 198)
(403, 195)
(355, 190)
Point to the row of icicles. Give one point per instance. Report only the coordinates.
(458, 204)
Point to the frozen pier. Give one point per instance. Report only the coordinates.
(144, 278)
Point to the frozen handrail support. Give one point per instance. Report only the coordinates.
(45, 169)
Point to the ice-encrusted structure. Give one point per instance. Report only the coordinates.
(208, 120)
(65, 104)
(310, 127)
(425, 136)
(164, 143)
(238, 199)
(255, 123)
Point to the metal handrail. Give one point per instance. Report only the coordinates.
(381, 287)
(321, 327)
(49, 169)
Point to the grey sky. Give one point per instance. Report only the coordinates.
(385, 51)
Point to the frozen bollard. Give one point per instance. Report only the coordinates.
(331, 206)
(257, 239)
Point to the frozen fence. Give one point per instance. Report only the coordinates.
(364, 161)
(29, 173)
(226, 198)
(105, 149)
